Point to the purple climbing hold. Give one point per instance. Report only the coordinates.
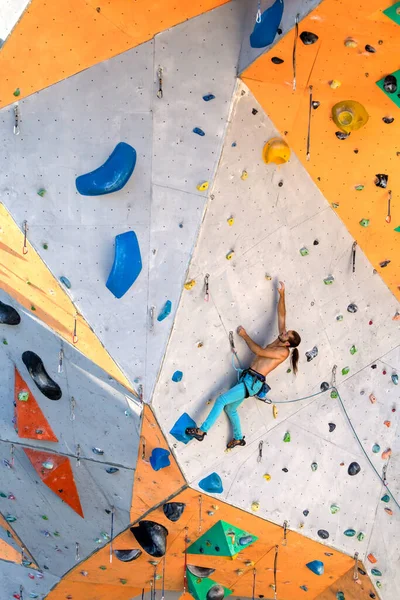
(316, 566)
(159, 459)
(212, 484)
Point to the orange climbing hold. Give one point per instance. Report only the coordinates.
(30, 420)
(55, 471)
(372, 558)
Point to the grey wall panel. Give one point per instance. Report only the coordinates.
(13, 576)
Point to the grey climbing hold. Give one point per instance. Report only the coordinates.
(381, 180)
(173, 510)
(306, 513)
(200, 572)
(152, 537)
(315, 104)
(127, 555)
(311, 354)
(388, 120)
(216, 592)
(285, 470)
(390, 84)
(324, 386)
(323, 534)
(314, 466)
(308, 38)
(354, 468)
(341, 135)
(8, 315)
(98, 451)
(352, 308)
(112, 470)
(332, 427)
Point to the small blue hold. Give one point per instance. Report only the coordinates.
(177, 376)
(166, 310)
(159, 459)
(304, 587)
(198, 131)
(65, 281)
(234, 144)
(212, 484)
(316, 566)
(208, 97)
(178, 430)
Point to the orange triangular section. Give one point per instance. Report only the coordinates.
(151, 487)
(10, 551)
(30, 421)
(59, 478)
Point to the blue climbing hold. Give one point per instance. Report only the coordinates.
(304, 588)
(112, 175)
(208, 97)
(165, 311)
(316, 566)
(127, 264)
(177, 376)
(212, 484)
(178, 430)
(199, 131)
(65, 281)
(264, 32)
(159, 459)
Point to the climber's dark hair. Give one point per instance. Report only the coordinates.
(294, 340)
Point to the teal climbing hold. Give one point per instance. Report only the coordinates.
(350, 532)
(65, 281)
(165, 311)
(376, 572)
(179, 429)
(376, 448)
(385, 498)
(340, 596)
(212, 484)
(304, 588)
(316, 566)
(395, 379)
(177, 376)
(159, 459)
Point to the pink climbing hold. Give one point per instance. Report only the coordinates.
(387, 453)
(372, 398)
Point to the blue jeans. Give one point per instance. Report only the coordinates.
(230, 402)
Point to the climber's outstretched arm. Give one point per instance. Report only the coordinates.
(281, 309)
(277, 352)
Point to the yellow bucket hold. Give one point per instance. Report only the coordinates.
(276, 151)
(349, 115)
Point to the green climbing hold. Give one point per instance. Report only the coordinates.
(350, 532)
(378, 584)
(314, 466)
(56, 534)
(376, 572)
(397, 229)
(376, 448)
(286, 437)
(334, 394)
(334, 509)
(329, 280)
(45, 246)
(45, 517)
(222, 539)
(103, 568)
(41, 192)
(23, 396)
(17, 92)
(361, 536)
(353, 349)
(364, 222)
(288, 370)
(123, 581)
(345, 370)
(359, 188)
(304, 251)
(386, 497)
(5, 342)
(335, 205)
(3, 495)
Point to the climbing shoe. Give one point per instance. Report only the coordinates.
(194, 432)
(233, 443)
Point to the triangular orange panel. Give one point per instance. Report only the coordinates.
(30, 421)
(59, 478)
(7, 552)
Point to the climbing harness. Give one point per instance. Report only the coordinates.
(25, 247)
(200, 513)
(296, 35)
(353, 248)
(309, 123)
(355, 575)
(388, 217)
(260, 451)
(275, 570)
(206, 287)
(254, 584)
(160, 82)
(258, 15)
(285, 524)
(16, 120)
(112, 533)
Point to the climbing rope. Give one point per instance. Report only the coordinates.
(275, 570)
(254, 584)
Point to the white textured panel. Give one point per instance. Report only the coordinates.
(10, 13)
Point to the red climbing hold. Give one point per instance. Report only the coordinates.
(29, 418)
(55, 471)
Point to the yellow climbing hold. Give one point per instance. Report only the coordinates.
(349, 115)
(268, 277)
(276, 151)
(267, 477)
(335, 84)
(244, 175)
(230, 254)
(255, 506)
(190, 284)
(202, 187)
(274, 411)
(230, 221)
(249, 563)
(350, 43)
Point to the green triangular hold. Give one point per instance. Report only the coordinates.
(391, 12)
(199, 588)
(397, 229)
(222, 540)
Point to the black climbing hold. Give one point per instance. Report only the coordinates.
(374, 366)
(306, 512)
(341, 135)
(370, 49)
(372, 595)
(332, 427)
(315, 242)
(324, 386)
(200, 572)
(361, 571)
(315, 104)
(216, 592)
(280, 184)
(217, 548)
(388, 120)
(276, 60)
(112, 470)
(308, 38)
(201, 550)
(8, 315)
(152, 537)
(352, 308)
(173, 510)
(42, 379)
(285, 470)
(381, 180)
(354, 468)
(356, 151)
(390, 84)
(279, 31)
(328, 553)
(323, 534)
(127, 555)
(254, 111)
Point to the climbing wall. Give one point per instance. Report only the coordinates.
(10, 12)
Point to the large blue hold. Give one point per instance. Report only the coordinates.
(264, 32)
(316, 566)
(127, 264)
(159, 459)
(178, 430)
(212, 484)
(112, 175)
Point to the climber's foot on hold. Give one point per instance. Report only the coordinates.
(196, 433)
(233, 443)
